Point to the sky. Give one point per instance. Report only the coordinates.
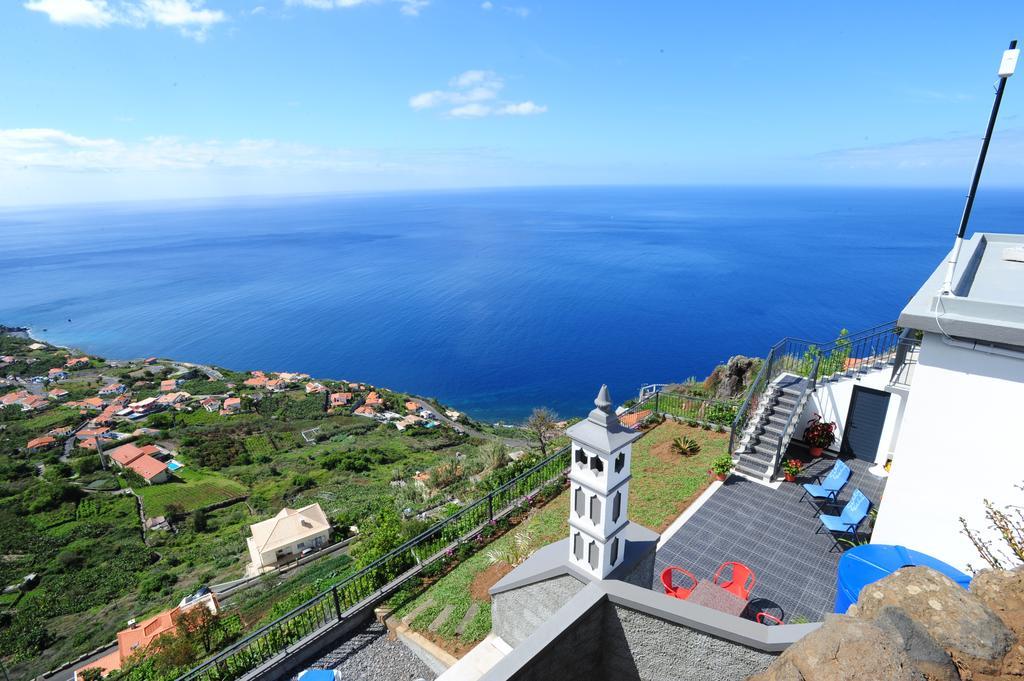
(153, 99)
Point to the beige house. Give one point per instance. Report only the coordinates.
(285, 536)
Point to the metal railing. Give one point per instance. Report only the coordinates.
(793, 415)
(367, 587)
(907, 352)
(860, 351)
(694, 408)
(752, 402)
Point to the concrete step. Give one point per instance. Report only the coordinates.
(753, 471)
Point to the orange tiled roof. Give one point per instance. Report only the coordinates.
(125, 454)
(44, 441)
(147, 466)
(630, 420)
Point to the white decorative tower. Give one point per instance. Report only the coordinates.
(599, 488)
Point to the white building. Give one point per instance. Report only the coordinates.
(956, 442)
(285, 536)
(945, 415)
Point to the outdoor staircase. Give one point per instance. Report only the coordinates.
(759, 453)
(772, 427)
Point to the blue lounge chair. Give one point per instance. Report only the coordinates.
(827, 490)
(847, 522)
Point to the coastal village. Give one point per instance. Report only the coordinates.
(208, 478)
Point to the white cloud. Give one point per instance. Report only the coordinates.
(521, 12)
(258, 9)
(474, 94)
(488, 5)
(408, 7)
(74, 12)
(190, 17)
(526, 108)
(473, 110)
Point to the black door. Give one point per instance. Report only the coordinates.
(864, 423)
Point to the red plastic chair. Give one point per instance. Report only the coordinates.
(742, 581)
(766, 618)
(681, 592)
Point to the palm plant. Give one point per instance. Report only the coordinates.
(685, 446)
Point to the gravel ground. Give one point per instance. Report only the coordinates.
(368, 655)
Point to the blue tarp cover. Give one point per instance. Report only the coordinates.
(863, 565)
(318, 675)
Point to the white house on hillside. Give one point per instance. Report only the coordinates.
(945, 415)
(285, 536)
(957, 439)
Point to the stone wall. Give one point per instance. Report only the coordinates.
(574, 654)
(639, 646)
(516, 614)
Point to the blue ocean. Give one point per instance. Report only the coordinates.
(493, 301)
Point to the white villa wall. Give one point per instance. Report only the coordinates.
(959, 444)
(832, 401)
(269, 558)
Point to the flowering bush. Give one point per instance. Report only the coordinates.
(819, 433)
(791, 466)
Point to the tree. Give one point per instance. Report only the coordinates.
(91, 674)
(495, 455)
(380, 535)
(174, 511)
(543, 425)
(200, 627)
(199, 520)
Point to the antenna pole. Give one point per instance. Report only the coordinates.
(947, 284)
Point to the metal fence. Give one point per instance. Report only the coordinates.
(858, 351)
(367, 587)
(694, 408)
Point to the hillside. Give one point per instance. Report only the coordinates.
(236, 448)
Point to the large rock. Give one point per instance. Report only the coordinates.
(731, 379)
(923, 651)
(1003, 592)
(954, 618)
(844, 649)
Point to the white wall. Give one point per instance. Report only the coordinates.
(959, 443)
(832, 401)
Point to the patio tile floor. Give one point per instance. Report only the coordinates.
(773, 533)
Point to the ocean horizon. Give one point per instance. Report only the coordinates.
(492, 301)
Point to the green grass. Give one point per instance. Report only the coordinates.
(663, 485)
(544, 525)
(258, 445)
(191, 488)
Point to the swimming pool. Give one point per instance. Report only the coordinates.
(174, 465)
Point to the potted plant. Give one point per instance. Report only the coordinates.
(791, 467)
(819, 435)
(721, 467)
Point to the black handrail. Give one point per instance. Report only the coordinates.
(739, 423)
(804, 357)
(808, 386)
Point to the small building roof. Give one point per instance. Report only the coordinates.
(288, 526)
(147, 466)
(988, 293)
(125, 454)
(44, 441)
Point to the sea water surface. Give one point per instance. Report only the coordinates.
(493, 301)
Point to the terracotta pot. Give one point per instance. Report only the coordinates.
(790, 477)
(721, 476)
(817, 451)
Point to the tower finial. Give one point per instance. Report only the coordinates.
(603, 401)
